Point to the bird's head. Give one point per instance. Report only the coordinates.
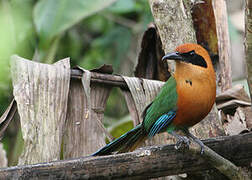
(192, 62)
(190, 53)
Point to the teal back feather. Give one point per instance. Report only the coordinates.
(164, 102)
(157, 116)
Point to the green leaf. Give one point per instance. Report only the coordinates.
(16, 34)
(110, 48)
(122, 6)
(52, 17)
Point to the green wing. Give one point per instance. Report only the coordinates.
(164, 102)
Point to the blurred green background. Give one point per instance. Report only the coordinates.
(91, 33)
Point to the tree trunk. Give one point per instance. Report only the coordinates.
(248, 41)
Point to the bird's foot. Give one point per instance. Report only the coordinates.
(196, 140)
(200, 143)
(182, 141)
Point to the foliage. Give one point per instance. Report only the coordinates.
(90, 32)
(17, 37)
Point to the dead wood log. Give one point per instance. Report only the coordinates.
(143, 163)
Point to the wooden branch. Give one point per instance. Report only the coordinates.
(107, 79)
(145, 163)
(224, 166)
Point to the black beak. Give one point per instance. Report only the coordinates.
(173, 56)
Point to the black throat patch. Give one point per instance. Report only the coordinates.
(193, 58)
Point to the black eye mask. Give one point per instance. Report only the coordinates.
(188, 57)
(193, 58)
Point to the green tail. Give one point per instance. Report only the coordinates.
(124, 143)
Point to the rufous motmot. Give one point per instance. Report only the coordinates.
(184, 100)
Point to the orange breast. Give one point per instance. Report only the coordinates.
(196, 88)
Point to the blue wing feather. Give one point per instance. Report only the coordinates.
(163, 121)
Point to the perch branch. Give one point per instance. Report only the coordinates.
(223, 165)
(147, 162)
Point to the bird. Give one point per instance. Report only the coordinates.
(184, 100)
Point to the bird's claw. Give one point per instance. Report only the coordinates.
(201, 149)
(199, 142)
(183, 140)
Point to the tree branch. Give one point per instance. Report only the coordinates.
(147, 162)
(223, 165)
(111, 80)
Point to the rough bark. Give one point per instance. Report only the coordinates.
(174, 22)
(224, 49)
(248, 41)
(41, 93)
(205, 26)
(143, 163)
